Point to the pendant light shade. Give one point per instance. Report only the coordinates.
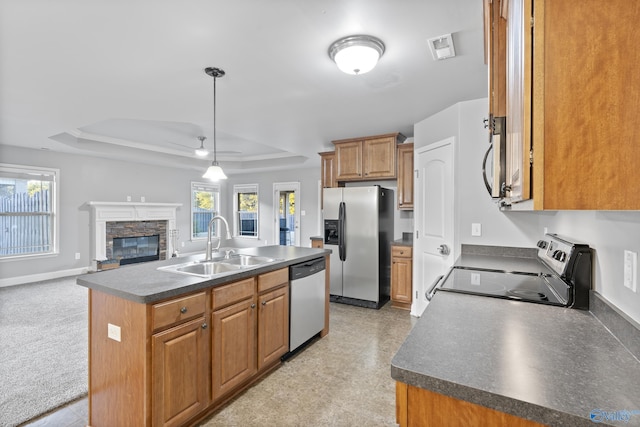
(356, 54)
(214, 172)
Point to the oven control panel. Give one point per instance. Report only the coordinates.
(555, 252)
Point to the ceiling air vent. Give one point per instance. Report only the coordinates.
(442, 47)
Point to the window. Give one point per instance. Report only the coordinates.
(205, 204)
(28, 223)
(245, 208)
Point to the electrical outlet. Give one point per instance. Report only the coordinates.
(142, 199)
(128, 198)
(631, 270)
(77, 255)
(114, 332)
(476, 229)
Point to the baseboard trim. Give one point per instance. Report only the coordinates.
(20, 280)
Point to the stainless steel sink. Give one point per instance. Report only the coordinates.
(218, 266)
(247, 260)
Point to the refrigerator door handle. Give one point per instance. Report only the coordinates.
(342, 244)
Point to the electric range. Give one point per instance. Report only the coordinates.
(560, 275)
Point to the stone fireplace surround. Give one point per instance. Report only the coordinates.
(116, 229)
(133, 216)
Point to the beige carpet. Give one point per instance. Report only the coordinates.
(43, 348)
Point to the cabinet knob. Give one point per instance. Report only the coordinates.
(183, 310)
(264, 302)
(253, 306)
(204, 326)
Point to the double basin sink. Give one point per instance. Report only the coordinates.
(219, 265)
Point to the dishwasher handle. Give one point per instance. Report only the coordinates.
(304, 269)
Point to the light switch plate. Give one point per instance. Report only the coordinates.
(631, 270)
(476, 229)
(114, 332)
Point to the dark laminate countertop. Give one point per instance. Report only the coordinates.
(402, 242)
(144, 283)
(548, 364)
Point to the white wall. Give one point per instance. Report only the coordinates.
(85, 178)
(309, 192)
(609, 233)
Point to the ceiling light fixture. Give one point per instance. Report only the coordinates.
(356, 54)
(202, 151)
(214, 172)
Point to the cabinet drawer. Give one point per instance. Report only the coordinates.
(273, 279)
(232, 293)
(178, 310)
(401, 251)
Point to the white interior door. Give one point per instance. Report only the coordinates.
(434, 218)
(286, 203)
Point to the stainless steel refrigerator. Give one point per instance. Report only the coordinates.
(358, 227)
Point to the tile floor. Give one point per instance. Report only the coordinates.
(342, 379)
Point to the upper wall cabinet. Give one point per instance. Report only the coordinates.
(368, 158)
(405, 176)
(495, 39)
(572, 104)
(328, 169)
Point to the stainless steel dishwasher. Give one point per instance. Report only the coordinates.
(307, 299)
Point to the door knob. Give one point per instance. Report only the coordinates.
(443, 249)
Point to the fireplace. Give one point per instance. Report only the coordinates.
(136, 241)
(132, 250)
(114, 220)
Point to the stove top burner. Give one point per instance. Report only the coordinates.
(527, 294)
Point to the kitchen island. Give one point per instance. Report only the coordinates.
(470, 358)
(169, 349)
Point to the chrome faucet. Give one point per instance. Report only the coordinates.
(208, 255)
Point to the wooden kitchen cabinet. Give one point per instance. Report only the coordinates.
(233, 351)
(405, 176)
(180, 359)
(401, 276)
(273, 326)
(250, 329)
(373, 157)
(571, 75)
(495, 38)
(180, 373)
(328, 169)
(417, 407)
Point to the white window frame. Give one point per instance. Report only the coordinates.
(24, 172)
(206, 186)
(277, 188)
(245, 188)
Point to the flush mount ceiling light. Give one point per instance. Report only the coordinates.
(442, 47)
(214, 172)
(356, 54)
(202, 151)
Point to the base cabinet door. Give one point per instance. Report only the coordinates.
(273, 326)
(417, 407)
(180, 373)
(233, 347)
(401, 276)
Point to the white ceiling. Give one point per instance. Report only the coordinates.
(125, 79)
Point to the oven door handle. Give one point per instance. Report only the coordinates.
(432, 289)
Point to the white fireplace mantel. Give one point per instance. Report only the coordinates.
(103, 212)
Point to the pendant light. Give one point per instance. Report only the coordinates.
(356, 54)
(202, 151)
(214, 172)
